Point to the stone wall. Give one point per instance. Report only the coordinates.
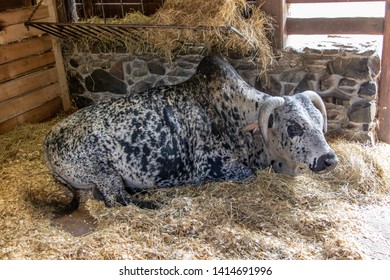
(347, 81)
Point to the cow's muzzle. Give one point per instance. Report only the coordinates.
(324, 163)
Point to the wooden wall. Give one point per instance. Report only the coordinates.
(14, 4)
(30, 87)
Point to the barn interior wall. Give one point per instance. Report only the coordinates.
(346, 80)
(30, 82)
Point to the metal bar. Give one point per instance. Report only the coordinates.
(84, 31)
(104, 14)
(65, 30)
(45, 28)
(113, 32)
(85, 12)
(123, 11)
(55, 30)
(108, 30)
(95, 29)
(132, 35)
(142, 7)
(99, 33)
(120, 32)
(117, 4)
(135, 26)
(107, 36)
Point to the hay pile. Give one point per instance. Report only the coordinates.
(251, 23)
(270, 217)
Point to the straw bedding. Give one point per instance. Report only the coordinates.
(271, 216)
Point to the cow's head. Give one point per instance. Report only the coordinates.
(293, 130)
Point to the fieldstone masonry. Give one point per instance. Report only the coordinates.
(346, 80)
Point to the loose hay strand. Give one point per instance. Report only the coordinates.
(271, 216)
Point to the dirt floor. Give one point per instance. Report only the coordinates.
(374, 238)
(339, 215)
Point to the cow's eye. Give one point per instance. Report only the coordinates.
(294, 129)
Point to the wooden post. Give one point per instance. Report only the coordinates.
(384, 89)
(64, 91)
(277, 9)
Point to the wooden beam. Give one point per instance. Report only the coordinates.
(276, 9)
(12, 17)
(17, 32)
(327, 1)
(21, 67)
(384, 87)
(14, 4)
(328, 26)
(27, 83)
(17, 106)
(64, 90)
(40, 113)
(25, 48)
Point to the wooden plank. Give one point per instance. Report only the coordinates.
(14, 4)
(40, 113)
(384, 87)
(12, 17)
(328, 26)
(276, 9)
(30, 82)
(25, 48)
(64, 89)
(20, 67)
(327, 1)
(17, 32)
(15, 107)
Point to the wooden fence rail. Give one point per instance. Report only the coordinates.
(325, 26)
(384, 89)
(318, 26)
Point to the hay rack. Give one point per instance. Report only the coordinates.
(117, 32)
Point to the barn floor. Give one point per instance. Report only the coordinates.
(341, 215)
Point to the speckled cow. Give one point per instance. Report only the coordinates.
(212, 127)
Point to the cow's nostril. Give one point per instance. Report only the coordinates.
(328, 163)
(325, 163)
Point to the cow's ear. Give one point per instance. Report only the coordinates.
(252, 127)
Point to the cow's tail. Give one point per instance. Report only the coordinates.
(72, 206)
(74, 203)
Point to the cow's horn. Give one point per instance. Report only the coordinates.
(266, 110)
(319, 104)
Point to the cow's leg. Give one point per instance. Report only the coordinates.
(236, 171)
(110, 187)
(227, 169)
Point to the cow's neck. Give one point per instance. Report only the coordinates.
(236, 102)
(237, 105)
